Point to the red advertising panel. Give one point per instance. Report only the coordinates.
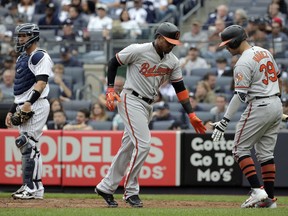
(83, 158)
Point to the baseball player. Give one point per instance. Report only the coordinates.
(256, 78)
(33, 67)
(148, 66)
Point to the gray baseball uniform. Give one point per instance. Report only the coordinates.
(255, 74)
(145, 73)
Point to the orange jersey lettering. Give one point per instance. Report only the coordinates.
(259, 55)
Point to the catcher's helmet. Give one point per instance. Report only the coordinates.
(29, 29)
(232, 36)
(170, 32)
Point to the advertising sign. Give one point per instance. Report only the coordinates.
(206, 163)
(82, 158)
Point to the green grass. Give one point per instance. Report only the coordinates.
(282, 210)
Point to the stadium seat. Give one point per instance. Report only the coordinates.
(162, 125)
(76, 104)
(175, 106)
(70, 115)
(101, 125)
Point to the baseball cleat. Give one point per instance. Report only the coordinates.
(109, 198)
(19, 191)
(256, 195)
(267, 203)
(134, 201)
(27, 193)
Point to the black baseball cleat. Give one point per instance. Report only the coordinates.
(134, 201)
(109, 198)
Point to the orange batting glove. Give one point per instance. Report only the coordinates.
(111, 95)
(197, 123)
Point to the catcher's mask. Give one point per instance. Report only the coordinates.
(28, 29)
(232, 36)
(170, 32)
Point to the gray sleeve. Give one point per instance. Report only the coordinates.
(233, 106)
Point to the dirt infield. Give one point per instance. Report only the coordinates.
(98, 203)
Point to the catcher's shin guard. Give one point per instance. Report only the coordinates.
(28, 162)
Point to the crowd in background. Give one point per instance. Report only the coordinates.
(207, 70)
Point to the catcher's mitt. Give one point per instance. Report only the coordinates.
(21, 117)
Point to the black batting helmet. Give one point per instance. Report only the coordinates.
(232, 36)
(170, 32)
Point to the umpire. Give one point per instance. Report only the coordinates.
(30, 108)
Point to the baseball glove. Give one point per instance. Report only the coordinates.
(21, 117)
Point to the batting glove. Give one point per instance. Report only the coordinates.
(284, 117)
(111, 95)
(197, 123)
(219, 129)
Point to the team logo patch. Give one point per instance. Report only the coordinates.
(238, 77)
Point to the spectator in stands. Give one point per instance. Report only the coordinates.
(130, 27)
(41, 6)
(70, 36)
(81, 122)
(64, 10)
(220, 108)
(214, 31)
(59, 121)
(210, 78)
(50, 20)
(277, 40)
(163, 8)
(12, 16)
(76, 15)
(88, 9)
(192, 61)
(67, 59)
(7, 85)
(6, 43)
(222, 67)
(255, 35)
(282, 6)
(162, 113)
(195, 36)
(203, 93)
(222, 13)
(8, 64)
(167, 91)
(101, 23)
(274, 11)
(122, 6)
(240, 17)
(55, 104)
(27, 7)
(98, 113)
(116, 122)
(64, 84)
(138, 13)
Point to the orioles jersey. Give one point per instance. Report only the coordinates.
(256, 73)
(146, 71)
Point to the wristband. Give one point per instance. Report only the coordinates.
(34, 96)
(13, 108)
